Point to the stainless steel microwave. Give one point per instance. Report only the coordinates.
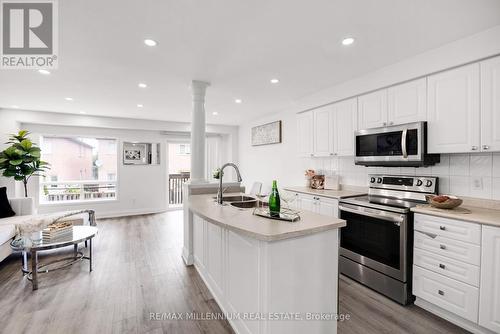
(396, 145)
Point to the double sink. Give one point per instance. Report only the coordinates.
(240, 201)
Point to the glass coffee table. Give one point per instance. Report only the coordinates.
(80, 234)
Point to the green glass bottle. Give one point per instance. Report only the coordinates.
(274, 201)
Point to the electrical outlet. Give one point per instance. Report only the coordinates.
(477, 183)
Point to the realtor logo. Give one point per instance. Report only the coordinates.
(29, 34)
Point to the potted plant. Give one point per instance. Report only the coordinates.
(21, 160)
(217, 174)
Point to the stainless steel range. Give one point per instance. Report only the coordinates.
(376, 246)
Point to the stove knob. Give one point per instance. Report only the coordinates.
(428, 183)
(379, 180)
(419, 183)
(372, 180)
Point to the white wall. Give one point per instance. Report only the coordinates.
(141, 189)
(280, 161)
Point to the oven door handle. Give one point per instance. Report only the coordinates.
(383, 215)
(403, 143)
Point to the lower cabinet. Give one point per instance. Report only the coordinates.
(321, 205)
(456, 271)
(252, 278)
(489, 305)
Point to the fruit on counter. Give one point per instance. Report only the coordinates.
(441, 198)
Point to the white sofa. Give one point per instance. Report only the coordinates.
(25, 207)
(22, 207)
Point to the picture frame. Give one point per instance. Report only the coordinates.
(266, 134)
(136, 153)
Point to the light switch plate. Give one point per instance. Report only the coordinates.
(477, 183)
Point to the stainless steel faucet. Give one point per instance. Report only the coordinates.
(221, 173)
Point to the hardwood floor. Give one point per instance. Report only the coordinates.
(138, 270)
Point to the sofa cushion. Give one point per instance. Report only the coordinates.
(7, 232)
(5, 208)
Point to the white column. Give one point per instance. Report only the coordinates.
(198, 129)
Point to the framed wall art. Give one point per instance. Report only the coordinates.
(266, 134)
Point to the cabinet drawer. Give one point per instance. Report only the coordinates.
(461, 271)
(449, 294)
(454, 249)
(449, 228)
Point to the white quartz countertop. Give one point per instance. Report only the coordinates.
(336, 194)
(244, 222)
(474, 214)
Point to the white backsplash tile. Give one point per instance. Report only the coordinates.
(459, 185)
(495, 188)
(485, 187)
(459, 164)
(443, 167)
(456, 173)
(444, 184)
(496, 165)
(481, 164)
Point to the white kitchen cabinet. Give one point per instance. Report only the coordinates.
(490, 105)
(407, 102)
(213, 259)
(344, 123)
(327, 207)
(305, 140)
(372, 109)
(453, 104)
(323, 132)
(199, 240)
(321, 205)
(489, 300)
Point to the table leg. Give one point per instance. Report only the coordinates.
(24, 261)
(34, 269)
(75, 250)
(90, 253)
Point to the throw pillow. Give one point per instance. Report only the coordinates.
(5, 208)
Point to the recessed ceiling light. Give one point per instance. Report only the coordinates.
(140, 105)
(215, 113)
(82, 112)
(238, 101)
(44, 72)
(347, 41)
(150, 42)
(274, 81)
(14, 107)
(142, 85)
(68, 98)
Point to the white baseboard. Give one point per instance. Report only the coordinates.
(188, 258)
(451, 317)
(118, 214)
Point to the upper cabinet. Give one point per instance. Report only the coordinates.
(323, 132)
(372, 109)
(345, 122)
(404, 103)
(305, 133)
(407, 102)
(453, 110)
(490, 105)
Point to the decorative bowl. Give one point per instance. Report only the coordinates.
(444, 201)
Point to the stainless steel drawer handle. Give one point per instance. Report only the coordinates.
(486, 147)
(441, 292)
(442, 266)
(442, 228)
(442, 246)
(475, 148)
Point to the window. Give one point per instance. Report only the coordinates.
(81, 169)
(184, 149)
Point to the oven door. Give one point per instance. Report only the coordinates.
(376, 239)
(390, 145)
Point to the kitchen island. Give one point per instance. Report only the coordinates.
(268, 276)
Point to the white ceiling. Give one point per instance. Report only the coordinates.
(237, 45)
